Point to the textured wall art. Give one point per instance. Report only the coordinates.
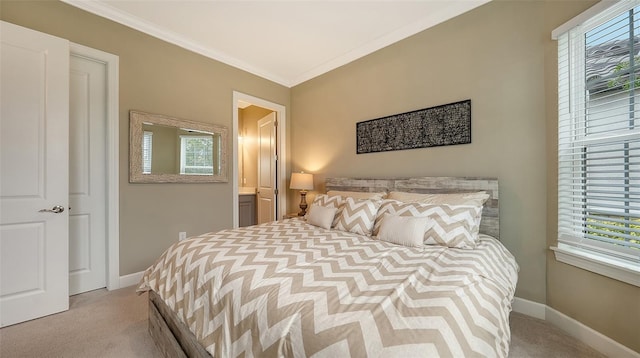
(430, 127)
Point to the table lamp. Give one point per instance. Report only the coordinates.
(303, 182)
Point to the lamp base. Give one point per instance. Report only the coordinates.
(303, 203)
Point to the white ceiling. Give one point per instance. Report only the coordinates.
(287, 42)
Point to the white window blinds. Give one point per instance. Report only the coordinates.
(147, 149)
(599, 133)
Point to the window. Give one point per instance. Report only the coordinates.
(196, 155)
(147, 149)
(599, 141)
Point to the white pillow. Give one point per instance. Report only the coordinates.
(328, 202)
(321, 216)
(403, 230)
(471, 199)
(358, 194)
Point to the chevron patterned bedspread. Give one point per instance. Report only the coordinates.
(290, 289)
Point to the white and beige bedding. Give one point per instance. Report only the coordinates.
(293, 289)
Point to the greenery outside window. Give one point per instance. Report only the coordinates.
(599, 143)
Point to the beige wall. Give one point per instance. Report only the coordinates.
(500, 56)
(160, 78)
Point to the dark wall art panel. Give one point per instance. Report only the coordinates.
(447, 124)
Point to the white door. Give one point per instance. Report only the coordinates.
(267, 168)
(87, 174)
(34, 174)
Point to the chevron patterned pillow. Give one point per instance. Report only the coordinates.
(357, 216)
(453, 226)
(328, 201)
(450, 225)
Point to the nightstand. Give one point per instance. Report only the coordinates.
(292, 216)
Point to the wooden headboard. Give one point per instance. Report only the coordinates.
(490, 223)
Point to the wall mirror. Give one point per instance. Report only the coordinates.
(163, 149)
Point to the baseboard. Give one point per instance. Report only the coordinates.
(529, 308)
(131, 279)
(589, 336)
(574, 328)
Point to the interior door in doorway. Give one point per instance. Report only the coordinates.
(267, 157)
(34, 174)
(87, 174)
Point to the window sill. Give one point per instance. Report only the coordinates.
(628, 272)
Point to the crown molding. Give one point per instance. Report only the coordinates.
(109, 12)
(454, 9)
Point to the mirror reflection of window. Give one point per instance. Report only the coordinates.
(147, 149)
(196, 154)
(159, 154)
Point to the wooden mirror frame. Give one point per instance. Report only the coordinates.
(136, 120)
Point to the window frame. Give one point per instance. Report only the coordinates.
(183, 154)
(604, 258)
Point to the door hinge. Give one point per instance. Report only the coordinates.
(275, 123)
(275, 191)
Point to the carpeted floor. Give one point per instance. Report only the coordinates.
(99, 323)
(114, 324)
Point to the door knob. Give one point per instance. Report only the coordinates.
(56, 209)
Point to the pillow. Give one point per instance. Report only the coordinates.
(358, 194)
(450, 225)
(454, 226)
(357, 216)
(321, 216)
(403, 230)
(466, 199)
(472, 199)
(327, 201)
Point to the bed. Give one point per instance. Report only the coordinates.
(294, 289)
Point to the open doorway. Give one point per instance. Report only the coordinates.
(259, 170)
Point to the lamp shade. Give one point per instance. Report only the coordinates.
(302, 181)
